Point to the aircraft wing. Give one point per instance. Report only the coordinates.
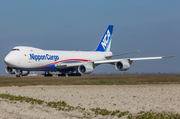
(88, 66)
(65, 65)
(130, 59)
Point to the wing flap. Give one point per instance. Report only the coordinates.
(121, 54)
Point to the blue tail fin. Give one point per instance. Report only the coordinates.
(105, 44)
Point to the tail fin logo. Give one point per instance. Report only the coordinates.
(105, 43)
(106, 39)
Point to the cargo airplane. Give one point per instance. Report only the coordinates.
(22, 59)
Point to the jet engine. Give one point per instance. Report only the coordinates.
(22, 73)
(122, 65)
(10, 70)
(85, 69)
(25, 73)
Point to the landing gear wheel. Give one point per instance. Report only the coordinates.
(78, 74)
(47, 74)
(18, 75)
(63, 74)
(72, 74)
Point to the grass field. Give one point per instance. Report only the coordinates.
(88, 80)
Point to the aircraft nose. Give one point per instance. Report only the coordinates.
(9, 60)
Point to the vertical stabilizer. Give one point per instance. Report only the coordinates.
(105, 44)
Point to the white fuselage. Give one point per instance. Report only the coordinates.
(30, 58)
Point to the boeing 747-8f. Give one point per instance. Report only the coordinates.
(22, 59)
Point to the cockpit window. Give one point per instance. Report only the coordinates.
(15, 50)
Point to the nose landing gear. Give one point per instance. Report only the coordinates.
(18, 73)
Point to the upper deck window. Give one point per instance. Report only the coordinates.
(15, 50)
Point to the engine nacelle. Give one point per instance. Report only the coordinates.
(25, 73)
(21, 73)
(122, 65)
(10, 70)
(85, 69)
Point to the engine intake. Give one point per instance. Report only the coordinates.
(10, 70)
(85, 69)
(122, 65)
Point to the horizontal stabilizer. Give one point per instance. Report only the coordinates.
(121, 54)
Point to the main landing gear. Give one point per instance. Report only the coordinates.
(74, 74)
(47, 74)
(69, 74)
(62, 74)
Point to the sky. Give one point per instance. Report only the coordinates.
(152, 27)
